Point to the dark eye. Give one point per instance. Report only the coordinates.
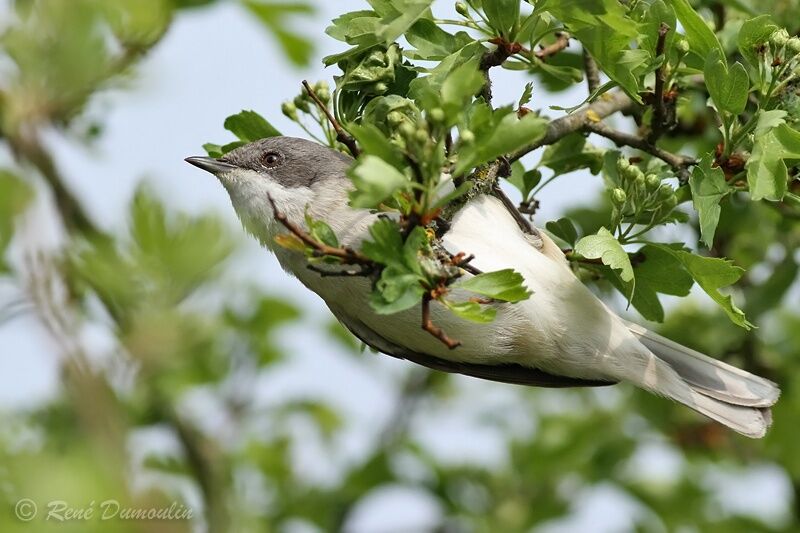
(271, 159)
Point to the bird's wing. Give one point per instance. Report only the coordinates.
(504, 373)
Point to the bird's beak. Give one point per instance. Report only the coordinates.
(209, 164)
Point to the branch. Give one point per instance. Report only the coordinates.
(523, 223)
(430, 327)
(346, 254)
(341, 135)
(606, 105)
(592, 71)
(561, 42)
(495, 58)
(657, 124)
(75, 219)
(679, 163)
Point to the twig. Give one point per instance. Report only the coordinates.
(29, 148)
(430, 327)
(341, 135)
(606, 105)
(561, 42)
(679, 163)
(461, 260)
(591, 70)
(657, 124)
(495, 58)
(346, 254)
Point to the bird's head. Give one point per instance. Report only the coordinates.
(294, 173)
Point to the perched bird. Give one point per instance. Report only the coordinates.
(563, 335)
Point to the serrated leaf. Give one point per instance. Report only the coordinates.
(213, 150)
(572, 153)
(375, 180)
(712, 274)
(753, 34)
(505, 285)
(728, 87)
(499, 137)
(249, 126)
(432, 42)
(708, 188)
(767, 175)
(564, 229)
(527, 94)
(472, 311)
(458, 89)
(606, 247)
(702, 40)
(321, 231)
(503, 16)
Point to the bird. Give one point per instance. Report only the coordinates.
(563, 335)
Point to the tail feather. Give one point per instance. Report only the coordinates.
(652, 373)
(708, 376)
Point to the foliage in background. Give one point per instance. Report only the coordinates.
(714, 149)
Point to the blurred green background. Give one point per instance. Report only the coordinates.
(152, 356)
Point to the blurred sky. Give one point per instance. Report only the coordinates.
(213, 63)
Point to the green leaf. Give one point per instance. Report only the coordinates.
(321, 231)
(564, 229)
(432, 42)
(505, 285)
(375, 180)
(386, 244)
(708, 187)
(702, 40)
(273, 15)
(458, 89)
(472, 311)
(767, 175)
(15, 196)
(728, 88)
(249, 126)
(606, 247)
(603, 28)
(502, 134)
(524, 180)
(572, 153)
(213, 150)
(373, 142)
(527, 94)
(503, 16)
(712, 274)
(658, 272)
(752, 36)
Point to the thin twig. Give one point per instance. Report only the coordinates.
(606, 105)
(679, 163)
(561, 42)
(494, 58)
(365, 270)
(341, 135)
(592, 71)
(657, 124)
(523, 223)
(461, 260)
(430, 327)
(346, 254)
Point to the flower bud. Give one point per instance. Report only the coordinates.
(289, 110)
(779, 38)
(633, 172)
(467, 137)
(395, 118)
(421, 135)
(407, 130)
(324, 95)
(437, 115)
(682, 46)
(301, 103)
(639, 183)
(623, 164)
(461, 9)
(618, 197)
(670, 203)
(380, 88)
(652, 181)
(321, 86)
(666, 192)
(793, 44)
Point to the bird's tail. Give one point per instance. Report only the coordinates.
(722, 392)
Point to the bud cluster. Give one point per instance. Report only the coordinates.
(641, 198)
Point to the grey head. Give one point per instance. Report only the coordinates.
(295, 173)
